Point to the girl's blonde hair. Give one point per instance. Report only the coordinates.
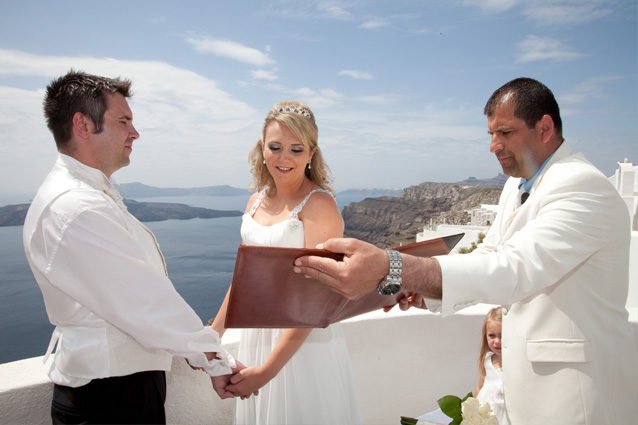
(495, 315)
(300, 120)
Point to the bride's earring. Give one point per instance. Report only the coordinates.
(309, 166)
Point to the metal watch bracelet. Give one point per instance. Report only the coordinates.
(392, 283)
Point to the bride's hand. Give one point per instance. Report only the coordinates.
(248, 381)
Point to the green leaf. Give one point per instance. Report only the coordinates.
(451, 406)
(457, 421)
(467, 396)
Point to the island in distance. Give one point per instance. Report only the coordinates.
(139, 190)
(13, 215)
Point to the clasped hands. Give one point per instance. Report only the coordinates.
(243, 382)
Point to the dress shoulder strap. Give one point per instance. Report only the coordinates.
(257, 203)
(295, 212)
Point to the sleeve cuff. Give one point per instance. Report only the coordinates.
(221, 365)
(217, 366)
(433, 305)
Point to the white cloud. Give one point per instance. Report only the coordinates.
(535, 48)
(325, 98)
(492, 5)
(357, 75)
(580, 93)
(27, 150)
(18, 63)
(333, 9)
(374, 23)
(424, 144)
(586, 91)
(567, 12)
(262, 74)
(381, 99)
(336, 10)
(190, 129)
(550, 12)
(231, 50)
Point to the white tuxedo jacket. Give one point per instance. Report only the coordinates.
(559, 263)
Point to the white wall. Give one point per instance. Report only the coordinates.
(404, 365)
(403, 362)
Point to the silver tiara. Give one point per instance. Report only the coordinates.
(290, 108)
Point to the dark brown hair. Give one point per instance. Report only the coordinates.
(531, 100)
(79, 92)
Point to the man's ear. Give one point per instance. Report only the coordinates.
(82, 125)
(545, 128)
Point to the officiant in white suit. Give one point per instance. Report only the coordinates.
(557, 255)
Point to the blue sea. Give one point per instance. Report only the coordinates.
(200, 256)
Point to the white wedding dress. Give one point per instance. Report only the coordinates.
(316, 385)
(492, 389)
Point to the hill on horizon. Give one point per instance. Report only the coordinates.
(13, 215)
(497, 181)
(140, 190)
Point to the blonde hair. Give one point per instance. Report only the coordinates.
(495, 315)
(300, 120)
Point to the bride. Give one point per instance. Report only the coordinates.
(303, 375)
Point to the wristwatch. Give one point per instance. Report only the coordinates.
(391, 285)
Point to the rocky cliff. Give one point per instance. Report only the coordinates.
(390, 221)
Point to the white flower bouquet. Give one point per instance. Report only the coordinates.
(466, 411)
(475, 412)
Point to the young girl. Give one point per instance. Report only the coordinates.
(490, 386)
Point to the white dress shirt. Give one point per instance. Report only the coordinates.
(105, 286)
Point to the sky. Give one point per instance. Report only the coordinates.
(398, 87)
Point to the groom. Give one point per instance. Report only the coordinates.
(118, 317)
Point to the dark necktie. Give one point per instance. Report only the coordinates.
(524, 197)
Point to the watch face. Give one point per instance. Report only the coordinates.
(390, 289)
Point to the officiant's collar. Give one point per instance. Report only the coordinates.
(527, 184)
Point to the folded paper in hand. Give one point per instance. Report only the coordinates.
(267, 293)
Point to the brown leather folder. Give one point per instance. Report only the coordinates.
(267, 293)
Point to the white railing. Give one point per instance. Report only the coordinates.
(402, 361)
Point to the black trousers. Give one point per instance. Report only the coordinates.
(131, 399)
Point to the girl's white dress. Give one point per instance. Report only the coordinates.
(316, 386)
(492, 390)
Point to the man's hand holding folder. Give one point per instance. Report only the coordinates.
(267, 293)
